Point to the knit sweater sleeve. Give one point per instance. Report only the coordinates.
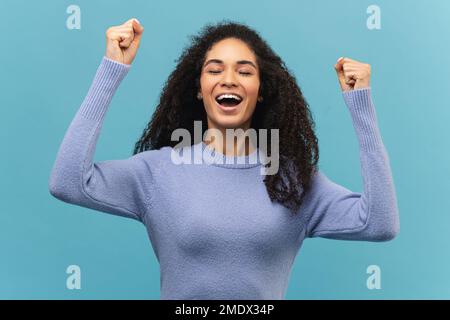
(112, 186)
(339, 213)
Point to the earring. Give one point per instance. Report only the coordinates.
(260, 99)
(199, 96)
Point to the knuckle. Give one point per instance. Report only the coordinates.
(110, 31)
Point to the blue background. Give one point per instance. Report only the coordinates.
(46, 70)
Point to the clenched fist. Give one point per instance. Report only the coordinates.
(352, 74)
(122, 42)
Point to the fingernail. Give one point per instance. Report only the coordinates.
(137, 20)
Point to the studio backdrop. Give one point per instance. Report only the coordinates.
(51, 51)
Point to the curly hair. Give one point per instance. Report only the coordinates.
(283, 108)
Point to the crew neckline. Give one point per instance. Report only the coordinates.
(232, 162)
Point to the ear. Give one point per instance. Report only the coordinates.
(260, 94)
(199, 88)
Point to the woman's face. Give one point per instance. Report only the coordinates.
(230, 67)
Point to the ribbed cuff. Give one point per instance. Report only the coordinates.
(107, 79)
(362, 109)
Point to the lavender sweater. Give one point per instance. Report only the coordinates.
(213, 228)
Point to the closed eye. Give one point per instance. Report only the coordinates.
(243, 73)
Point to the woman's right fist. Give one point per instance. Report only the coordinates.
(122, 42)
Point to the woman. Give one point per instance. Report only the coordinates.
(222, 230)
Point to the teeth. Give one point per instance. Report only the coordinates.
(222, 96)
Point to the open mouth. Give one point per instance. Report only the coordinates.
(228, 100)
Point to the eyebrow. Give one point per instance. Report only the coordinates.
(238, 62)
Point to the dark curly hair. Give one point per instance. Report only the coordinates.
(283, 108)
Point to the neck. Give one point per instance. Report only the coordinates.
(238, 144)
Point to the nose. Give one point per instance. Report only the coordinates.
(229, 79)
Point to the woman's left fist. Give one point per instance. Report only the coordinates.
(352, 74)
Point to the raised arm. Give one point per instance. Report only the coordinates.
(115, 186)
(338, 213)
